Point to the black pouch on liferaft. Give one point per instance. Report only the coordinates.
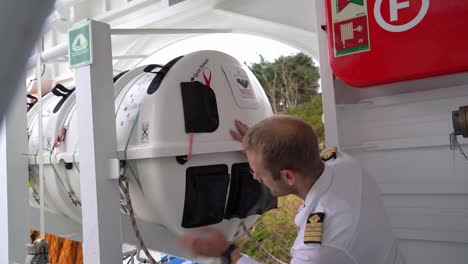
(205, 195)
(246, 195)
(200, 108)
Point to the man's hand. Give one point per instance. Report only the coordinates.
(241, 131)
(211, 243)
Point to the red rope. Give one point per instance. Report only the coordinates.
(60, 138)
(207, 78)
(189, 154)
(124, 186)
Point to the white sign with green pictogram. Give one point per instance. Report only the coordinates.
(80, 46)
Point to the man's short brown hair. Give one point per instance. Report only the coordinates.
(284, 142)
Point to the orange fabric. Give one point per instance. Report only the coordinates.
(61, 250)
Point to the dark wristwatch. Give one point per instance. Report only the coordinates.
(226, 256)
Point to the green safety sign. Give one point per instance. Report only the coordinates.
(350, 27)
(80, 46)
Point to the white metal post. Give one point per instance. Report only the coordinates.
(326, 80)
(97, 142)
(13, 181)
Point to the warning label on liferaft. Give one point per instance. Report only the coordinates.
(350, 26)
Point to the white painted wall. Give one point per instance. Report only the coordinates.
(402, 140)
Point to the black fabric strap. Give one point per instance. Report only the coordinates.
(117, 77)
(151, 67)
(60, 90)
(34, 98)
(163, 70)
(30, 96)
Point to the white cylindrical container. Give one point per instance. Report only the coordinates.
(199, 96)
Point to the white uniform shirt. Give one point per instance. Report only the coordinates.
(356, 229)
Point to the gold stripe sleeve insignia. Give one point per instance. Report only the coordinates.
(314, 228)
(328, 154)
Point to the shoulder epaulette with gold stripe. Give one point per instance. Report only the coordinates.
(314, 228)
(329, 154)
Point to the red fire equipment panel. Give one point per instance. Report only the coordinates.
(382, 41)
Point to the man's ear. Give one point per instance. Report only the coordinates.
(289, 176)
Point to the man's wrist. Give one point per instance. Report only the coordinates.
(235, 256)
(231, 255)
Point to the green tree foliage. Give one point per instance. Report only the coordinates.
(288, 81)
(311, 112)
(275, 231)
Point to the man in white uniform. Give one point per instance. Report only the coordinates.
(342, 219)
